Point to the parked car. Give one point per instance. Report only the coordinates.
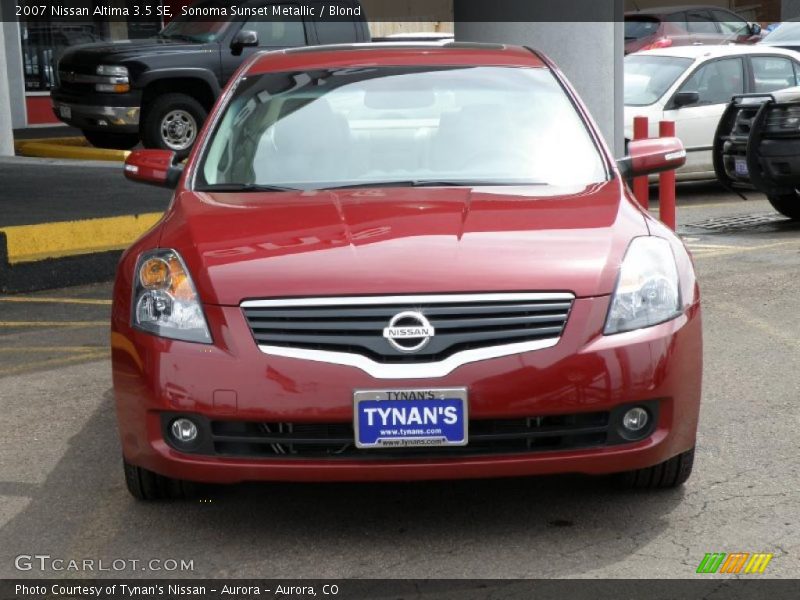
(757, 144)
(669, 26)
(160, 90)
(403, 263)
(786, 35)
(692, 85)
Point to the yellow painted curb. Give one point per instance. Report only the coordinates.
(28, 243)
(67, 147)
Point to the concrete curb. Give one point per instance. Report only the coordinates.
(67, 147)
(51, 255)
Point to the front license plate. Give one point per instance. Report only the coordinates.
(65, 111)
(410, 418)
(741, 167)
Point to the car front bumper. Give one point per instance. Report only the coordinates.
(233, 380)
(115, 119)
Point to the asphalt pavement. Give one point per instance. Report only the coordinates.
(50, 190)
(62, 491)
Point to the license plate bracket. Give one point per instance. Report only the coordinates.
(410, 418)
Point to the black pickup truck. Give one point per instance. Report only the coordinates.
(160, 90)
(757, 145)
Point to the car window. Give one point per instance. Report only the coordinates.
(286, 33)
(717, 81)
(379, 125)
(773, 73)
(647, 78)
(786, 33)
(639, 28)
(730, 24)
(701, 22)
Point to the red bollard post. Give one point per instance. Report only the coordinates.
(666, 182)
(641, 187)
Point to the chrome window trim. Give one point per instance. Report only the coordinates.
(415, 370)
(409, 371)
(410, 300)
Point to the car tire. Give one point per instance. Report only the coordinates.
(172, 122)
(111, 141)
(146, 485)
(787, 204)
(668, 474)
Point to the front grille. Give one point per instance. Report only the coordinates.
(336, 440)
(782, 120)
(356, 325)
(71, 80)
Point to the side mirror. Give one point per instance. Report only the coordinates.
(682, 99)
(155, 167)
(244, 39)
(755, 29)
(652, 156)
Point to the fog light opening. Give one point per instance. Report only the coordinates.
(184, 431)
(635, 420)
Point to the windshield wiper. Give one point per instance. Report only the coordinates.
(245, 188)
(432, 183)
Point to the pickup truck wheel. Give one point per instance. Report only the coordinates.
(146, 485)
(172, 122)
(787, 204)
(112, 141)
(669, 474)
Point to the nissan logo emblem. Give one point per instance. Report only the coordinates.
(409, 332)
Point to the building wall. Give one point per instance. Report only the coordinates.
(412, 16)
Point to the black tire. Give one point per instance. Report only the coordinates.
(112, 141)
(787, 204)
(669, 474)
(154, 132)
(146, 485)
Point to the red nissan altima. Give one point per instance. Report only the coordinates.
(400, 262)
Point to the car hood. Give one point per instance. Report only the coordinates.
(89, 55)
(403, 240)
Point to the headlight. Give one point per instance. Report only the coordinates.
(165, 301)
(112, 71)
(116, 79)
(648, 292)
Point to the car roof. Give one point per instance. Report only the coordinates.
(395, 54)
(709, 52)
(662, 11)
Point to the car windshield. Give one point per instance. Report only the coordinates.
(373, 126)
(192, 29)
(647, 78)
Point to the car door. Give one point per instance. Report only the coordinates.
(702, 28)
(277, 34)
(716, 81)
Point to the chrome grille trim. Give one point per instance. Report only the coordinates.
(432, 299)
(409, 371)
(304, 343)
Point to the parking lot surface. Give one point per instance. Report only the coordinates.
(62, 491)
